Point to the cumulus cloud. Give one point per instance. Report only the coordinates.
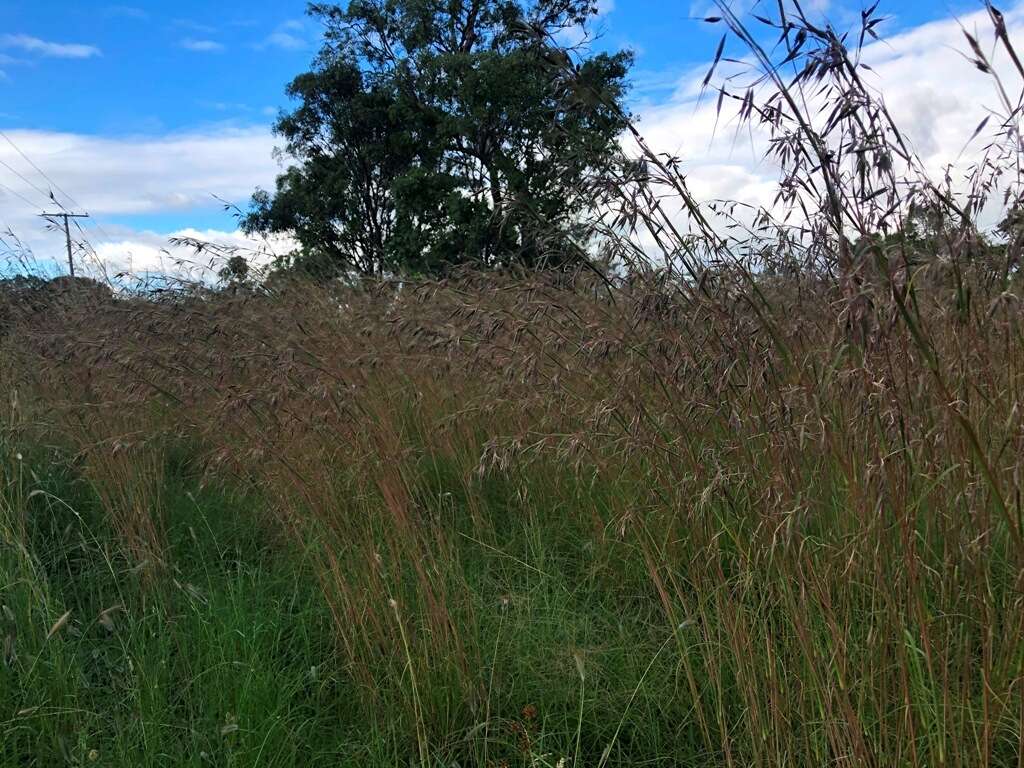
(115, 253)
(290, 35)
(575, 36)
(933, 93)
(145, 175)
(127, 12)
(117, 177)
(285, 40)
(195, 26)
(35, 45)
(202, 46)
(140, 253)
(935, 96)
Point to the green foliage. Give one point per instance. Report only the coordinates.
(435, 133)
(235, 272)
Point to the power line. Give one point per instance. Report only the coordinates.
(67, 233)
(84, 242)
(43, 192)
(51, 198)
(54, 185)
(18, 195)
(86, 245)
(40, 171)
(99, 229)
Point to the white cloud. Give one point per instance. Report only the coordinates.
(45, 48)
(290, 35)
(126, 11)
(933, 93)
(286, 41)
(202, 46)
(575, 36)
(935, 96)
(175, 174)
(195, 26)
(140, 175)
(145, 252)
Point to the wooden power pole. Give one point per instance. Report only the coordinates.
(67, 232)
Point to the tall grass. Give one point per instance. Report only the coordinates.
(490, 482)
(757, 503)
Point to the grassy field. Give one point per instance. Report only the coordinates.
(750, 497)
(503, 522)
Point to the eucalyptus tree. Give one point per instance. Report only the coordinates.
(435, 133)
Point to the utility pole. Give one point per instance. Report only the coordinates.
(67, 232)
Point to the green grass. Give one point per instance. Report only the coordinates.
(225, 654)
(665, 554)
(208, 665)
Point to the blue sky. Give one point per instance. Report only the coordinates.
(154, 68)
(165, 65)
(187, 90)
(158, 66)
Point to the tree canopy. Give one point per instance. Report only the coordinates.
(436, 133)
